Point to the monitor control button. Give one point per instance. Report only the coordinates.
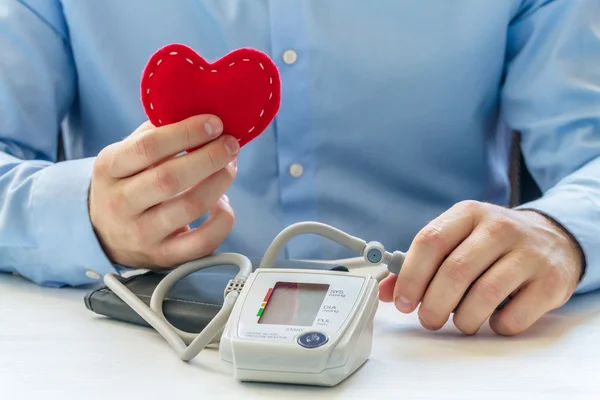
(311, 340)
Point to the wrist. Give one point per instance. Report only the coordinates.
(567, 241)
(99, 238)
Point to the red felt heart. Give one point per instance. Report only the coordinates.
(242, 88)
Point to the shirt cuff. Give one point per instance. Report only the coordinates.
(64, 231)
(571, 208)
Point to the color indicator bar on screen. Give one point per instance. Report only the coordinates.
(264, 302)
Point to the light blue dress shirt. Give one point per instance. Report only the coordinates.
(391, 112)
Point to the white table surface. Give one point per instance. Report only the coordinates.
(51, 347)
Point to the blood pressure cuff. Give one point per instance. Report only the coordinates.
(191, 304)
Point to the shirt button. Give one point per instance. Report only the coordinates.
(290, 56)
(92, 274)
(296, 170)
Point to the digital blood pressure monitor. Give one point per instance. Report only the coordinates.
(309, 327)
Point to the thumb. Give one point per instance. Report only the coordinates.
(146, 126)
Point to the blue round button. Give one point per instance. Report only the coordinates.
(312, 340)
(374, 256)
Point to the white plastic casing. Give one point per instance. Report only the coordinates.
(271, 352)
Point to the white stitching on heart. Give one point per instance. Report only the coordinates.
(174, 53)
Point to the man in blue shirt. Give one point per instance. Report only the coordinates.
(395, 125)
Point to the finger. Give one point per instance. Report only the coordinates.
(504, 278)
(386, 288)
(179, 211)
(529, 305)
(172, 177)
(427, 252)
(145, 148)
(471, 258)
(201, 241)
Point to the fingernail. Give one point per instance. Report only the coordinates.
(213, 127)
(233, 164)
(226, 199)
(403, 304)
(232, 145)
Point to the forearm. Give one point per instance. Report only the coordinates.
(551, 95)
(45, 231)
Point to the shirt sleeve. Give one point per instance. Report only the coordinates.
(551, 94)
(45, 231)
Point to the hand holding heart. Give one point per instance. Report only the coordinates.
(145, 193)
(473, 257)
(143, 196)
